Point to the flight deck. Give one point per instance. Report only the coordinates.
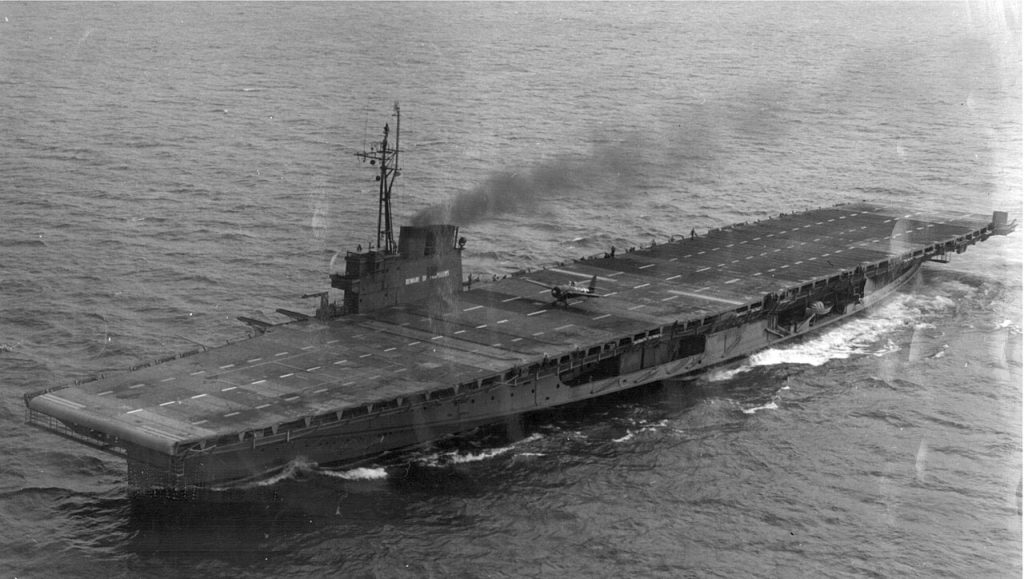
(304, 369)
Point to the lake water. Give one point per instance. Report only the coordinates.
(168, 167)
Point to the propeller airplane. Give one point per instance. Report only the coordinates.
(564, 292)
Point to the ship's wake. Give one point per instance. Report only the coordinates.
(871, 335)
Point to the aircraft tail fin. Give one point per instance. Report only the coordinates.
(593, 283)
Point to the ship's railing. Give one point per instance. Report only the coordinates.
(51, 424)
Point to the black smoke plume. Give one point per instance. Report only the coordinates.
(506, 192)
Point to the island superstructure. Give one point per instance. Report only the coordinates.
(412, 354)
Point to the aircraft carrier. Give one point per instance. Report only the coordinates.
(413, 352)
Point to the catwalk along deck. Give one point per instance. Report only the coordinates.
(413, 353)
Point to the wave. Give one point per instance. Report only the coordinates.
(359, 473)
(858, 337)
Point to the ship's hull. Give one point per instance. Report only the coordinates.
(356, 439)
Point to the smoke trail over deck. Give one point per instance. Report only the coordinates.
(506, 191)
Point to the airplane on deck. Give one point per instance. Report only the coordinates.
(564, 292)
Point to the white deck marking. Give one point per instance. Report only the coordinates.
(343, 361)
(261, 406)
(253, 360)
(673, 277)
(669, 298)
(536, 313)
(647, 266)
(473, 308)
(510, 300)
(203, 395)
(601, 317)
(312, 369)
(105, 393)
(226, 366)
(134, 411)
(168, 379)
(288, 375)
(256, 382)
(134, 386)
(392, 349)
(313, 345)
(291, 399)
(280, 354)
(197, 373)
(641, 285)
(501, 322)
(637, 307)
(320, 391)
(167, 403)
(733, 280)
(434, 338)
(417, 342)
(457, 332)
(703, 269)
(704, 297)
(229, 389)
(565, 327)
(332, 341)
(230, 414)
(480, 327)
(516, 340)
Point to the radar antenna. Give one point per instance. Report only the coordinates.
(387, 157)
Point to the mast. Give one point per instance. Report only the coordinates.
(387, 157)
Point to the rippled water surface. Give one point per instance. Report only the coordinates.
(168, 167)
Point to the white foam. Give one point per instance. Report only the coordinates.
(449, 458)
(629, 436)
(360, 473)
(770, 406)
(860, 336)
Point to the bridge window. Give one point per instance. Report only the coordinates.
(430, 245)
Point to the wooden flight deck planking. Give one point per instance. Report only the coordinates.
(309, 368)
